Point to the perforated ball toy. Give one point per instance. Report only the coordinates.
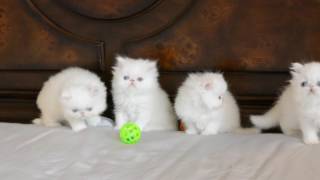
(130, 133)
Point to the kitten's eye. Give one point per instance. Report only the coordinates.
(125, 77)
(304, 83)
(220, 97)
(75, 110)
(89, 109)
(140, 79)
(318, 83)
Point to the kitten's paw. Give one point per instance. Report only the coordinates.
(106, 122)
(201, 125)
(52, 124)
(209, 133)
(94, 121)
(78, 126)
(191, 131)
(311, 141)
(37, 121)
(117, 127)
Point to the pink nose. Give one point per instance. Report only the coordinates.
(208, 86)
(131, 80)
(312, 89)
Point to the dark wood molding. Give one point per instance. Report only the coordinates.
(98, 44)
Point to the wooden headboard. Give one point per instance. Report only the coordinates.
(251, 41)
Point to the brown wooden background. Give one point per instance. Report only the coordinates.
(252, 41)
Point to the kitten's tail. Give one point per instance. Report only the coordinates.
(266, 121)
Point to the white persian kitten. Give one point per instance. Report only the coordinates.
(205, 106)
(298, 108)
(74, 95)
(138, 97)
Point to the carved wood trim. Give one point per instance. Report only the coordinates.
(121, 19)
(99, 44)
(160, 30)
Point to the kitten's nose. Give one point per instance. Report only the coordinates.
(208, 86)
(131, 80)
(312, 88)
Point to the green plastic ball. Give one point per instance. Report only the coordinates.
(130, 133)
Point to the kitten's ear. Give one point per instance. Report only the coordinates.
(120, 61)
(66, 96)
(192, 76)
(219, 74)
(94, 90)
(296, 68)
(152, 67)
(153, 64)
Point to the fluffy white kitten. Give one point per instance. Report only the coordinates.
(298, 107)
(74, 95)
(138, 96)
(205, 105)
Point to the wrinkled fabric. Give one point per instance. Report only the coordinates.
(34, 152)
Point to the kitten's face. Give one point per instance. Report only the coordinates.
(306, 79)
(81, 102)
(135, 74)
(209, 85)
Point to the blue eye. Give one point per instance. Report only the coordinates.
(125, 77)
(140, 79)
(304, 83)
(75, 110)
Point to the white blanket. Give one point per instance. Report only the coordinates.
(33, 152)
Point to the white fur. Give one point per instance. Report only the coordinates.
(73, 89)
(297, 109)
(201, 110)
(143, 102)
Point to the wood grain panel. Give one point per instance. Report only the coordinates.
(234, 35)
(32, 42)
(240, 83)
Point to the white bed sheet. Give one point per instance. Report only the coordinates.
(34, 152)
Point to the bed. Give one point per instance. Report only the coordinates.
(253, 42)
(34, 152)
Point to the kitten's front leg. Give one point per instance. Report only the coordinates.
(121, 119)
(143, 119)
(49, 121)
(77, 124)
(201, 124)
(190, 127)
(310, 133)
(211, 129)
